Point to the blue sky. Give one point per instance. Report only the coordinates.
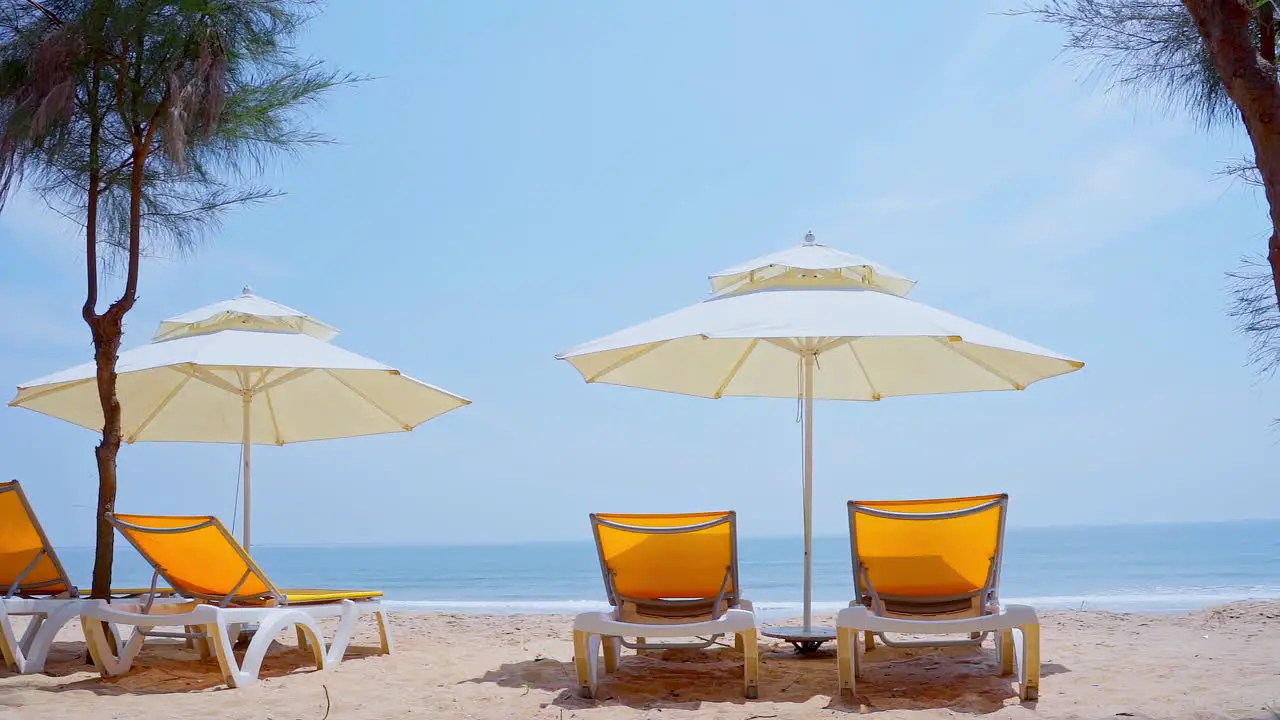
(523, 177)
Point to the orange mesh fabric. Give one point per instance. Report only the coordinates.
(21, 541)
(928, 557)
(203, 561)
(691, 563)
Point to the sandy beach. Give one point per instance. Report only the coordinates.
(1219, 662)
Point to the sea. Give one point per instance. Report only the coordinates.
(1135, 568)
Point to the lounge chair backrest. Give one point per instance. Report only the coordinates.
(28, 564)
(930, 551)
(648, 559)
(197, 557)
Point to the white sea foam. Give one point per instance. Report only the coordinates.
(1163, 600)
(498, 607)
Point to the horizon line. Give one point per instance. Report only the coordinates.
(587, 540)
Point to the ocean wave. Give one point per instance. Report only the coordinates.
(1171, 600)
(498, 607)
(1156, 600)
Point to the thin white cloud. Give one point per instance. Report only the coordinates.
(1021, 177)
(31, 319)
(31, 224)
(1111, 197)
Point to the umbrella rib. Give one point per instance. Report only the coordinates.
(875, 395)
(287, 377)
(372, 404)
(633, 355)
(204, 376)
(259, 384)
(264, 387)
(832, 344)
(49, 390)
(953, 343)
(186, 378)
(788, 344)
(271, 413)
(733, 371)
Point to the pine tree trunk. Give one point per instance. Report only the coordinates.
(104, 356)
(107, 334)
(108, 331)
(1250, 79)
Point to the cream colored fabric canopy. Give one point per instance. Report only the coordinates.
(248, 371)
(192, 389)
(868, 345)
(813, 322)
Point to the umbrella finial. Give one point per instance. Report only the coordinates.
(809, 239)
(247, 290)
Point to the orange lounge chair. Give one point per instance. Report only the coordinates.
(932, 567)
(665, 576)
(226, 590)
(33, 584)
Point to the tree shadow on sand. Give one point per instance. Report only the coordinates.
(169, 667)
(962, 680)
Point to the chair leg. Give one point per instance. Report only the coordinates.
(247, 671)
(110, 656)
(738, 643)
(347, 619)
(220, 637)
(612, 653)
(33, 629)
(846, 658)
(869, 640)
(384, 633)
(202, 645)
(8, 643)
(26, 654)
(750, 662)
(29, 653)
(1004, 651)
(585, 650)
(858, 655)
(309, 638)
(1029, 687)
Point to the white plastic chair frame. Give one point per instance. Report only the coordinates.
(211, 628)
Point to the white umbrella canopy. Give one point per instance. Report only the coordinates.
(808, 262)
(192, 390)
(271, 384)
(868, 345)
(246, 312)
(813, 325)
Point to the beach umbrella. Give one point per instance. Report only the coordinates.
(813, 322)
(247, 371)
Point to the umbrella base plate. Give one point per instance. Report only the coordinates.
(806, 641)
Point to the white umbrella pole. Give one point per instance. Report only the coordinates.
(809, 360)
(247, 402)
